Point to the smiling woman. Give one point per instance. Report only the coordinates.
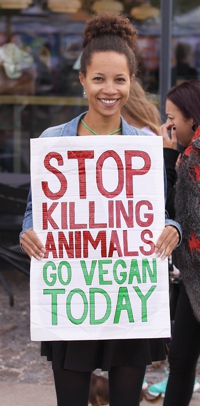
(107, 73)
(108, 65)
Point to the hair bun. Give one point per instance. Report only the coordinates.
(110, 24)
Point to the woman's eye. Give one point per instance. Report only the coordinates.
(98, 78)
(120, 79)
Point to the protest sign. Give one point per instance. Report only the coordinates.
(98, 208)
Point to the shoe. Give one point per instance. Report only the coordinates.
(196, 386)
(145, 384)
(158, 388)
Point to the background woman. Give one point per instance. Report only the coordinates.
(183, 118)
(107, 69)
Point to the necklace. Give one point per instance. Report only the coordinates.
(93, 132)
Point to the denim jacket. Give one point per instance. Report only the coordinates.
(70, 129)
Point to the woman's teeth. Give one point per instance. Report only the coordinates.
(108, 101)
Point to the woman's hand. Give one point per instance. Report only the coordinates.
(167, 141)
(167, 241)
(32, 245)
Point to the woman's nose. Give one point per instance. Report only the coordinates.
(109, 88)
(168, 121)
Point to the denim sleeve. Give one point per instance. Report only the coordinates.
(28, 219)
(169, 222)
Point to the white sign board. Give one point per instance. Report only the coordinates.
(98, 208)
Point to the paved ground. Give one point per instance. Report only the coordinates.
(25, 377)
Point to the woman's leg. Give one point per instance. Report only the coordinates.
(183, 354)
(125, 385)
(72, 387)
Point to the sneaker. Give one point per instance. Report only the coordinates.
(160, 387)
(196, 386)
(157, 388)
(145, 384)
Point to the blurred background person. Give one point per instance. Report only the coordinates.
(140, 112)
(183, 68)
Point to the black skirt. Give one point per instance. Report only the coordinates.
(103, 354)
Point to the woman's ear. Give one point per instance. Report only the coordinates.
(82, 79)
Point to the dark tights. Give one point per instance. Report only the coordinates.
(183, 354)
(72, 387)
(125, 385)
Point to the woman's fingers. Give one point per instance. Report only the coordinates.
(167, 241)
(174, 141)
(167, 141)
(165, 135)
(32, 245)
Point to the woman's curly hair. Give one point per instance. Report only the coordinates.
(109, 32)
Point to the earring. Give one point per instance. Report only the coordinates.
(194, 127)
(84, 93)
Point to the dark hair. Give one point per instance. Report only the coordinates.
(186, 96)
(109, 32)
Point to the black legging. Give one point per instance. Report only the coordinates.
(72, 387)
(183, 354)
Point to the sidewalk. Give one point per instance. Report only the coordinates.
(26, 377)
(22, 394)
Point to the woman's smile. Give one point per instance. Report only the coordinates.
(108, 102)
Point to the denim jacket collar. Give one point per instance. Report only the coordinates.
(71, 127)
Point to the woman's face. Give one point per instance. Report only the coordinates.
(107, 83)
(183, 125)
